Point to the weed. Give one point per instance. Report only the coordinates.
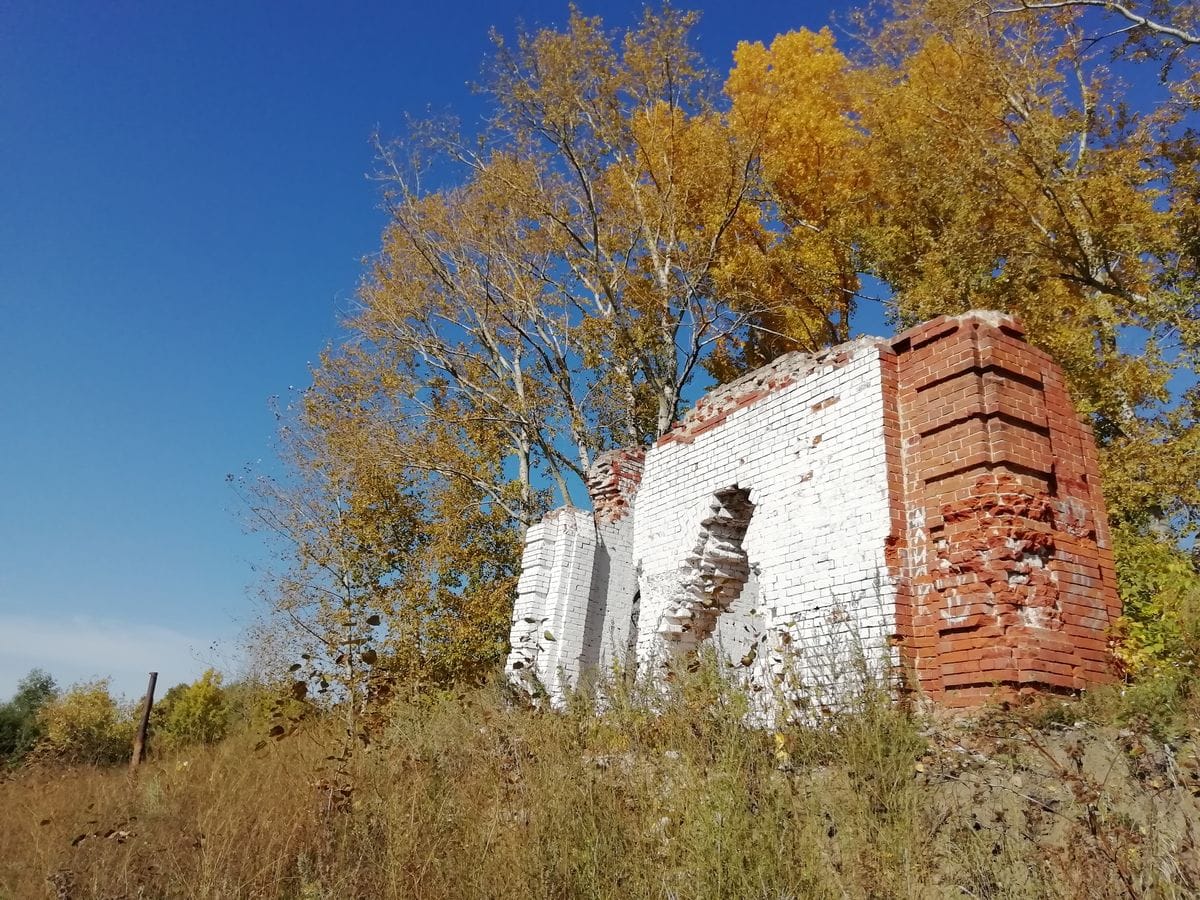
(651, 793)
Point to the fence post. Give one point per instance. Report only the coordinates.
(139, 739)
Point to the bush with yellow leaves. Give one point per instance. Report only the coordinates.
(87, 725)
(196, 713)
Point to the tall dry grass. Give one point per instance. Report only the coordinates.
(671, 797)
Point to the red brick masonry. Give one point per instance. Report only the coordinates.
(613, 481)
(1000, 540)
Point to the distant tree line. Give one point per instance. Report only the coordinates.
(87, 724)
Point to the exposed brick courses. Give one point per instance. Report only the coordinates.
(613, 481)
(1004, 558)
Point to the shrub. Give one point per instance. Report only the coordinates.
(196, 713)
(87, 725)
(20, 727)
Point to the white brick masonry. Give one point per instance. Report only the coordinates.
(803, 440)
(553, 596)
(811, 455)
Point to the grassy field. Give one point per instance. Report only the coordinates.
(467, 796)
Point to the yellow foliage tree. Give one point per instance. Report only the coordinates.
(573, 273)
(996, 162)
(793, 104)
(196, 713)
(553, 286)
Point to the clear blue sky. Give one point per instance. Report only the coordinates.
(183, 210)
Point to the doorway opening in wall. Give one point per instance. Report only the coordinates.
(714, 573)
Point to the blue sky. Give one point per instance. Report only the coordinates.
(183, 211)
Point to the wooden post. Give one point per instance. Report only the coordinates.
(139, 739)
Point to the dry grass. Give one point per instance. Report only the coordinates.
(467, 797)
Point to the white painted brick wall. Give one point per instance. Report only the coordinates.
(818, 480)
(818, 541)
(552, 598)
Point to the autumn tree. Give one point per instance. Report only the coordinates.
(341, 533)
(545, 290)
(1000, 164)
(385, 573)
(1155, 29)
(445, 520)
(583, 258)
(795, 102)
(553, 285)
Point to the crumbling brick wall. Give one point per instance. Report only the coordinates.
(613, 481)
(1001, 545)
(574, 607)
(930, 502)
(800, 441)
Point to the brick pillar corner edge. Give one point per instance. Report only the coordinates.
(1002, 551)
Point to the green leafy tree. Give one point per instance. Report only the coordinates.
(20, 726)
(1160, 590)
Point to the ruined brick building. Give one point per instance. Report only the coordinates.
(932, 499)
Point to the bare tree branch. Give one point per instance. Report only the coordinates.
(1138, 21)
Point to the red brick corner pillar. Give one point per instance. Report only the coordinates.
(1000, 536)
